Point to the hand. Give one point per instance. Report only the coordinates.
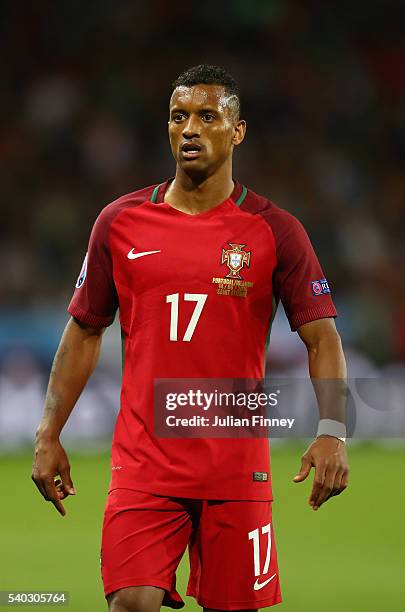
(329, 458)
(50, 460)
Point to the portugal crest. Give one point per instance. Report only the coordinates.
(235, 258)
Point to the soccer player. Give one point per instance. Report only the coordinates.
(196, 266)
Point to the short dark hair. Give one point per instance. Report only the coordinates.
(210, 75)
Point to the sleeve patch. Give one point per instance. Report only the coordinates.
(320, 286)
(83, 273)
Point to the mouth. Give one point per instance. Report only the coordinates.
(190, 150)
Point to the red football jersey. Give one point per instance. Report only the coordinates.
(145, 257)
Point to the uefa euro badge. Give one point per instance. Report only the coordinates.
(235, 259)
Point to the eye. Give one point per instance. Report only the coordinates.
(178, 117)
(208, 117)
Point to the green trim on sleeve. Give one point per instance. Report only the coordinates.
(242, 196)
(154, 195)
(273, 314)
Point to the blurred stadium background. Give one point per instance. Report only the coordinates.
(83, 120)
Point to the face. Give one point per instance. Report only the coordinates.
(203, 128)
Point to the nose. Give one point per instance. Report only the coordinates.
(191, 128)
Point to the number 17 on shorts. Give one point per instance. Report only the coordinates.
(261, 569)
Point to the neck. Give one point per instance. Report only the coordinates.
(194, 195)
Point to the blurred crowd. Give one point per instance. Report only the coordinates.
(83, 120)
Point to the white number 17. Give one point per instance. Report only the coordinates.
(173, 299)
(255, 536)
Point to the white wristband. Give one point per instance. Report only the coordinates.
(329, 427)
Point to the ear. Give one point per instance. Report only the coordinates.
(239, 132)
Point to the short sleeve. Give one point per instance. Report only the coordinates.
(299, 281)
(95, 300)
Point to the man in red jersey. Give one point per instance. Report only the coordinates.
(168, 256)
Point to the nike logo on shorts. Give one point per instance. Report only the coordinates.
(132, 255)
(259, 585)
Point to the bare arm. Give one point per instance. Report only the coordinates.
(73, 365)
(327, 368)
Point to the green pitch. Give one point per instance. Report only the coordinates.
(347, 556)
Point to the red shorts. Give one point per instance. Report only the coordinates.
(233, 561)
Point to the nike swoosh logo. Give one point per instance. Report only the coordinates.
(259, 585)
(132, 255)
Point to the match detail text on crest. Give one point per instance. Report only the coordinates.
(235, 258)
